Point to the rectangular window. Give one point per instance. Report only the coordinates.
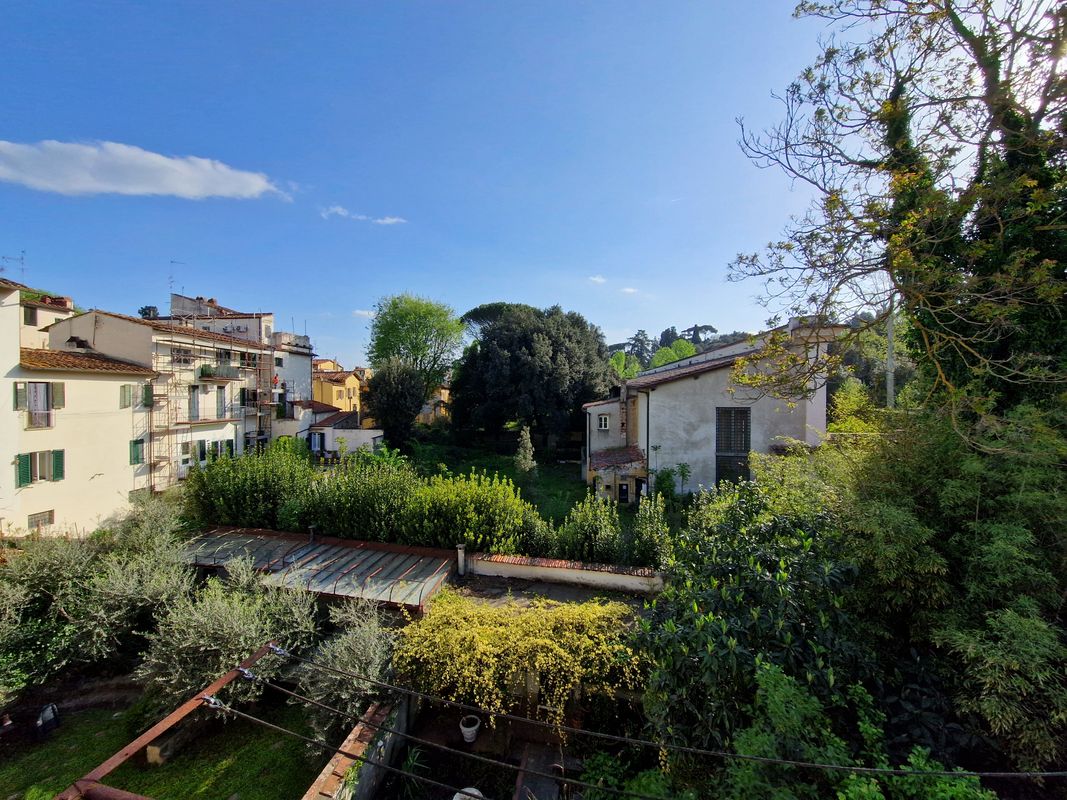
(126, 395)
(220, 402)
(137, 451)
(42, 465)
(231, 447)
(278, 362)
(603, 422)
(733, 440)
(186, 449)
(194, 403)
(38, 399)
(223, 357)
(147, 395)
(201, 450)
(29, 316)
(40, 520)
(181, 356)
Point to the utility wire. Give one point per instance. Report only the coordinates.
(214, 702)
(889, 771)
(249, 675)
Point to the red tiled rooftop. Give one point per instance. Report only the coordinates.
(67, 361)
(616, 457)
(183, 330)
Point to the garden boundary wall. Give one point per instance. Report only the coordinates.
(639, 580)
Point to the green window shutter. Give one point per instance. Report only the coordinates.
(58, 464)
(125, 396)
(133, 451)
(201, 449)
(22, 470)
(146, 395)
(59, 396)
(20, 396)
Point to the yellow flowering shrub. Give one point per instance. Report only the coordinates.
(489, 656)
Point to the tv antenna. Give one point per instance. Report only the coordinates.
(20, 259)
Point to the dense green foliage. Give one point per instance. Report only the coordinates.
(421, 334)
(378, 497)
(530, 365)
(751, 583)
(498, 657)
(203, 635)
(362, 644)
(395, 395)
(65, 603)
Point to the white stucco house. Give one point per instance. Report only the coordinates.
(74, 436)
(691, 412)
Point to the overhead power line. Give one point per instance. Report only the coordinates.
(214, 702)
(248, 674)
(697, 751)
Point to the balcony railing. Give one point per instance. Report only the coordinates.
(37, 420)
(222, 372)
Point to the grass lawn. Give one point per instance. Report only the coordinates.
(237, 758)
(555, 489)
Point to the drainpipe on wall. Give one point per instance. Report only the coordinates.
(461, 559)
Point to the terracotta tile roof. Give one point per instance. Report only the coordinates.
(616, 457)
(667, 375)
(600, 402)
(64, 361)
(316, 406)
(10, 284)
(184, 330)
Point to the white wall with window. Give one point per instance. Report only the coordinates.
(73, 459)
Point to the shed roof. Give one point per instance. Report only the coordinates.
(384, 573)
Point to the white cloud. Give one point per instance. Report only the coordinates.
(341, 211)
(598, 279)
(628, 290)
(363, 312)
(113, 168)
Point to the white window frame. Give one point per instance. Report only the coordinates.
(603, 422)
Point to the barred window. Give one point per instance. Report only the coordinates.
(733, 440)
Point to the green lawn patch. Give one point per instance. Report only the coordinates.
(553, 491)
(235, 758)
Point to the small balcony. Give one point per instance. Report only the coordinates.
(39, 420)
(219, 372)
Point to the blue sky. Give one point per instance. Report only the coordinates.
(470, 152)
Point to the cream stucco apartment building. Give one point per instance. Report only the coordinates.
(691, 412)
(73, 437)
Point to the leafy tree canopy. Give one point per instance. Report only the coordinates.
(423, 334)
(533, 365)
(395, 398)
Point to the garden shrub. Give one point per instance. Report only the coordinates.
(646, 542)
(743, 589)
(259, 490)
(202, 636)
(362, 498)
(362, 645)
(472, 652)
(590, 531)
(486, 514)
(67, 602)
(788, 722)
